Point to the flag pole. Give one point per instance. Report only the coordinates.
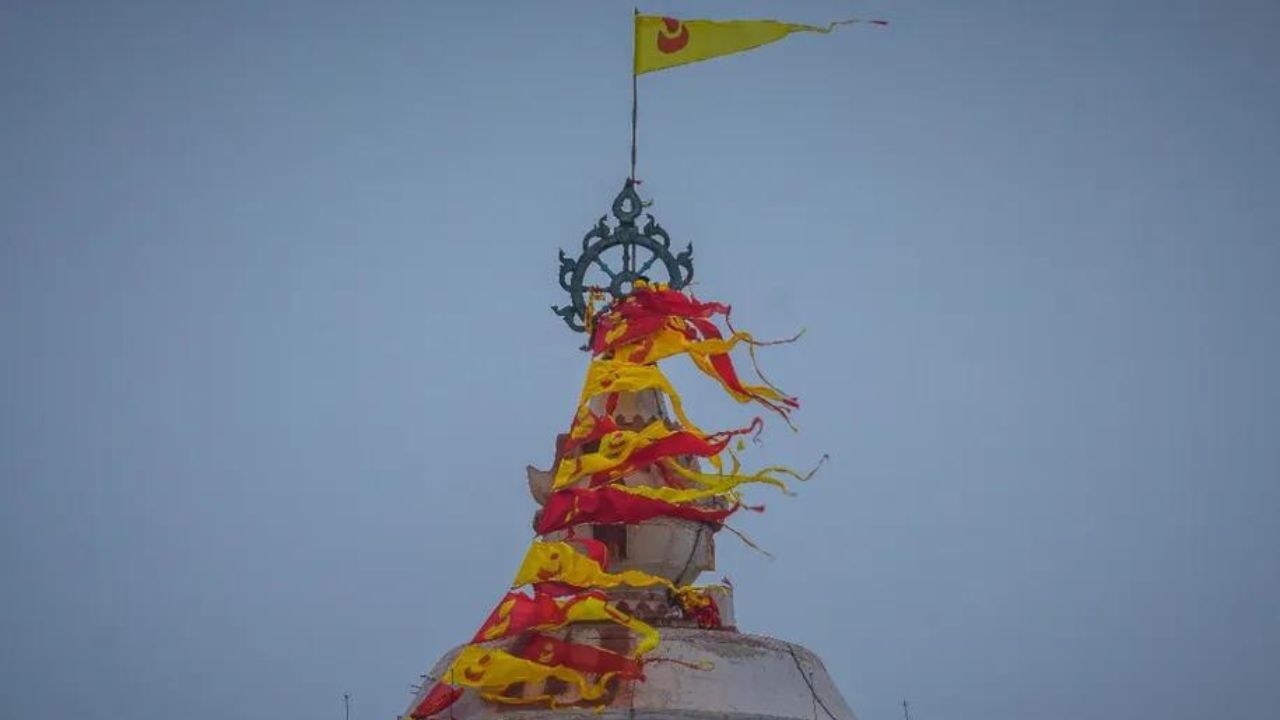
(634, 93)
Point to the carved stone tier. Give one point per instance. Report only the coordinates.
(678, 550)
(654, 606)
(739, 676)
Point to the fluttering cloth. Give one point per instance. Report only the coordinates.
(511, 649)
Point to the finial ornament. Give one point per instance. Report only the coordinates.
(624, 242)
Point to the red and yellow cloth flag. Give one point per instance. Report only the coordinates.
(624, 451)
(518, 613)
(608, 376)
(664, 42)
(610, 505)
(492, 671)
(656, 322)
(560, 562)
(546, 650)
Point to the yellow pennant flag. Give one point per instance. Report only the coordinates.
(663, 42)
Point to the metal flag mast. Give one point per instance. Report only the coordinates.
(634, 91)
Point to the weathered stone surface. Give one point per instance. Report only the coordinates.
(539, 483)
(748, 676)
(678, 550)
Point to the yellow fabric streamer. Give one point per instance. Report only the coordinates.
(673, 340)
(724, 482)
(615, 448)
(586, 609)
(610, 376)
(491, 671)
(712, 484)
(649, 637)
(561, 562)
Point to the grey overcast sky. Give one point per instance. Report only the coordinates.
(274, 289)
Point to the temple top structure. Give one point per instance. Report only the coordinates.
(603, 618)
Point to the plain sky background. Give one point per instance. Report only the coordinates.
(274, 289)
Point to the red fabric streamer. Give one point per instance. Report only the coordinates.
(648, 310)
(518, 612)
(556, 589)
(595, 549)
(583, 658)
(608, 505)
(645, 312)
(724, 368)
(702, 608)
(601, 425)
(681, 442)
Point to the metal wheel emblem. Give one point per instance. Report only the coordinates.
(625, 242)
